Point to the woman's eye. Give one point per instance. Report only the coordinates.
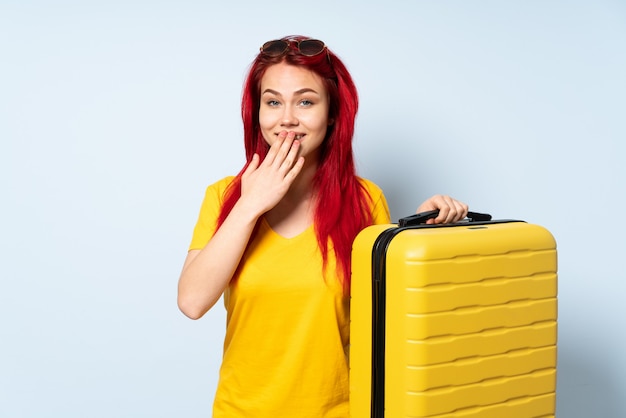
(272, 103)
(306, 102)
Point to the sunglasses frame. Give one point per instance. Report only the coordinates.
(265, 48)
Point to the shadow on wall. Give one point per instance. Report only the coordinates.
(583, 389)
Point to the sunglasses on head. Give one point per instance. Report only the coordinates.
(307, 47)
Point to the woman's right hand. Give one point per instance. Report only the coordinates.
(264, 184)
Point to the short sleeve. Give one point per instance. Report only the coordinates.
(209, 212)
(380, 209)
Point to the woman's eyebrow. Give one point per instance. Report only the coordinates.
(306, 90)
(270, 91)
(297, 92)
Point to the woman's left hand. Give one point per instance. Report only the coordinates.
(450, 210)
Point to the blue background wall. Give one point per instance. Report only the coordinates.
(114, 116)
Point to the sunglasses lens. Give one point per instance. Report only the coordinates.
(308, 47)
(274, 48)
(311, 47)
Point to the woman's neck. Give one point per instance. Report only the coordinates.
(295, 211)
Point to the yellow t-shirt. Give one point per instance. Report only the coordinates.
(287, 331)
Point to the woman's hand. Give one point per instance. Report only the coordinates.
(450, 210)
(264, 184)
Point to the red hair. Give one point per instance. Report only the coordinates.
(343, 205)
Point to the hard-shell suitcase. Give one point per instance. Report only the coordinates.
(453, 321)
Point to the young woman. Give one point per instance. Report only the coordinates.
(275, 239)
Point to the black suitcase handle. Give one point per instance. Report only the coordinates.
(422, 217)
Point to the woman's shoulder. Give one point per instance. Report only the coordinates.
(372, 188)
(223, 182)
(215, 192)
(379, 207)
(221, 185)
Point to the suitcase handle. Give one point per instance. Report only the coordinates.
(422, 217)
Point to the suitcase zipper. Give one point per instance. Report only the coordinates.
(379, 252)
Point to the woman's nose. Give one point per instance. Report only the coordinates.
(289, 118)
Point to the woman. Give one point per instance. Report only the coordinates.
(276, 238)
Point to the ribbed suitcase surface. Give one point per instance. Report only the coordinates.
(454, 322)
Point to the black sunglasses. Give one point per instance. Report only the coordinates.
(307, 47)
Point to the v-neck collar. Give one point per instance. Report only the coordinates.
(267, 225)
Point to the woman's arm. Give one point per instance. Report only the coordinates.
(207, 272)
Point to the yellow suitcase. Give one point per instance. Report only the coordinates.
(453, 321)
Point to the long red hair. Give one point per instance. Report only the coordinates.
(343, 205)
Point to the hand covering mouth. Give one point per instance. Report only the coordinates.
(298, 136)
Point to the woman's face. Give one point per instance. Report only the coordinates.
(293, 99)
